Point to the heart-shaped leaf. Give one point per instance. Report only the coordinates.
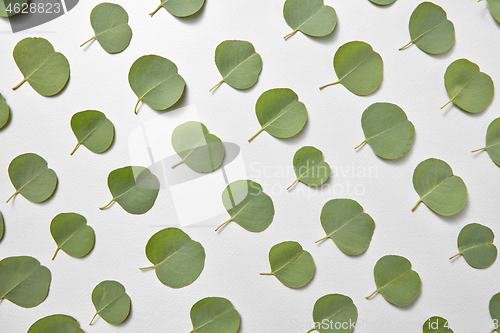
(291, 265)
(93, 130)
(387, 130)
(214, 315)
(72, 234)
(438, 188)
(475, 244)
(197, 148)
(46, 70)
(468, 88)
(156, 82)
(437, 325)
(56, 324)
(180, 8)
(310, 167)
(280, 113)
(345, 222)
(4, 112)
(32, 178)
(248, 205)
(495, 311)
(110, 24)
(177, 259)
(396, 281)
(493, 141)
(111, 302)
(311, 17)
(358, 67)
(9, 8)
(23, 281)
(1, 226)
(334, 313)
(383, 2)
(430, 29)
(134, 188)
(493, 5)
(238, 63)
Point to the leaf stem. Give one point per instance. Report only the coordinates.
(92, 319)
(475, 151)
(362, 143)
(55, 253)
(414, 207)
(290, 34)
(295, 182)
(218, 84)
(376, 291)
(136, 105)
(91, 39)
(312, 329)
(151, 267)
(266, 274)
(322, 239)
(13, 195)
(404, 47)
(451, 100)
(178, 163)
(24, 80)
(329, 84)
(113, 200)
(456, 255)
(253, 137)
(78, 145)
(223, 224)
(157, 9)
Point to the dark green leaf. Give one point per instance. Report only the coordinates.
(437, 325)
(4, 111)
(72, 234)
(56, 324)
(93, 130)
(493, 141)
(180, 8)
(475, 244)
(214, 315)
(311, 17)
(310, 167)
(111, 302)
(334, 313)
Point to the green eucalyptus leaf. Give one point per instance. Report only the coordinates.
(214, 315)
(310, 167)
(495, 311)
(438, 188)
(346, 223)
(180, 8)
(358, 67)
(46, 70)
(1, 226)
(32, 178)
(430, 29)
(334, 313)
(468, 88)
(493, 141)
(387, 130)
(248, 205)
(177, 259)
(111, 302)
(291, 265)
(110, 24)
(56, 324)
(494, 6)
(280, 113)
(72, 234)
(475, 244)
(9, 8)
(93, 130)
(4, 111)
(312, 17)
(437, 325)
(23, 281)
(238, 63)
(155, 81)
(134, 188)
(197, 148)
(396, 281)
(383, 2)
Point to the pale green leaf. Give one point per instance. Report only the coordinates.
(56, 324)
(180, 8)
(111, 302)
(4, 111)
(93, 130)
(493, 141)
(312, 17)
(310, 167)
(214, 315)
(437, 325)
(495, 311)
(334, 313)
(383, 2)
(2, 227)
(475, 244)
(494, 6)
(72, 234)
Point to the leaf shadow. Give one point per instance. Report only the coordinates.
(87, 45)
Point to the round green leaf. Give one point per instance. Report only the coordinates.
(310, 167)
(438, 188)
(495, 310)
(110, 24)
(156, 82)
(32, 178)
(345, 222)
(238, 63)
(72, 234)
(383, 2)
(134, 188)
(494, 6)
(493, 141)
(46, 70)
(23, 281)
(178, 260)
(437, 325)
(111, 302)
(14, 7)
(475, 244)
(387, 130)
(280, 113)
(334, 311)
(430, 29)
(311, 17)
(291, 265)
(358, 67)
(248, 205)
(4, 111)
(197, 148)
(56, 324)
(396, 281)
(1, 226)
(180, 8)
(468, 88)
(214, 315)
(93, 130)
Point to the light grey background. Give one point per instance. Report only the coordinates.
(235, 257)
